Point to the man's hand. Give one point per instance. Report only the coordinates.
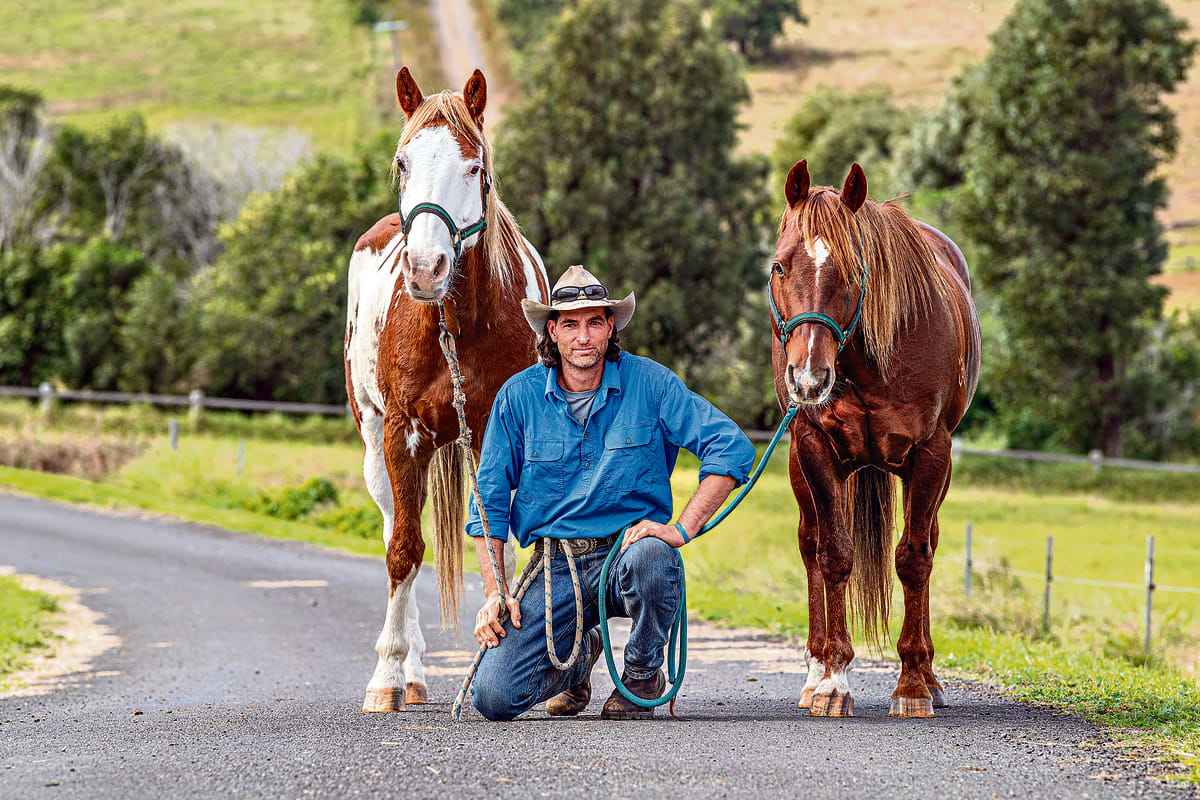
(640, 530)
(487, 622)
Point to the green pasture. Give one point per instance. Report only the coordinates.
(270, 63)
(25, 618)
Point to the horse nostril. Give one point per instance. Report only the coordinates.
(826, 379)
(405, 265)
(789, 376)
(413, 285)
(439, 264)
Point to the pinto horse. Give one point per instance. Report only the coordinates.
(877, 341)
(455, 244)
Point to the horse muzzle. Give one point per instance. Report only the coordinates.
(426, 275)
(809, 387)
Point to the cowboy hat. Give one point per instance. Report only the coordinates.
(536, 313)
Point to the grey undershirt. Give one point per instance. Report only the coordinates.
(580, 403)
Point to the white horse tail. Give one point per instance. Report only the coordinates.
(447, 489)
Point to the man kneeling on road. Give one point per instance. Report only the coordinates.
(588, 439)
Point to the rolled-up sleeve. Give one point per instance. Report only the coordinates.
(693, 423)
(500, 461)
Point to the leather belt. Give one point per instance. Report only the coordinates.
(578, 547)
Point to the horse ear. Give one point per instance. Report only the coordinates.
(854, 190)
(407, 92)
(795, 188)
(475, 94)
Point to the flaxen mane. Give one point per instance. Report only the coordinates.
(502, 243)
(904, 280)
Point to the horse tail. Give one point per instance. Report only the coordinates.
(870, 516)
(447, 488)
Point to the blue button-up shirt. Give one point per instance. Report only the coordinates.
(590, 481)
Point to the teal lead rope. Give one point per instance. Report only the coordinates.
(677, 644)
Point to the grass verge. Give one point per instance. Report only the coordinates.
(1161, 707)
(25, 623)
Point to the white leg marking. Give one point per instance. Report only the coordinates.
(837, 682)
(413, 671)
(816, 671)
(375, 470)
(510, 562)
(413, 439)
(393, 642)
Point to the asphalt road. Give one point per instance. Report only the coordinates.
(248, 691)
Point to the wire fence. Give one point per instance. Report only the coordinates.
(1147, 585)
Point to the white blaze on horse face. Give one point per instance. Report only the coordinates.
(437, 172)
(806, 380)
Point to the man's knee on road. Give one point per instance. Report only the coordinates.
(495, 691)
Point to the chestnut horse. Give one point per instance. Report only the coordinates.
(877, 340)
(457, 245)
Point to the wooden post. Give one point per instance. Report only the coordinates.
(173, 431)
(1149, 587)
(967, 577)
(1049, 580)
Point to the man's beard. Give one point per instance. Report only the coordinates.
(575, 361)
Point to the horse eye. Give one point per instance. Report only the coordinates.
(401, 165)
(475, 170)
(777, 267)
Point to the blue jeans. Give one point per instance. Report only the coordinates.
(643, 584)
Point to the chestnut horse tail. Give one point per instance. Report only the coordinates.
(871, 518)
(447, 489)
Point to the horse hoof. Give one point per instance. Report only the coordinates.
(911, 707)
(832, 705)
(415, 694)
(939, 697)
(383, 700)
(806, 697)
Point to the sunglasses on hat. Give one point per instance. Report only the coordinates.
(569, 293)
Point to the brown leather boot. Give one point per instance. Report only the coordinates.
(574, 700)
(618, 707)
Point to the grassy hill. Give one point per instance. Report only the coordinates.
(270, 63)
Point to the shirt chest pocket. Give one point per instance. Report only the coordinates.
(544, 468)
(631, 458)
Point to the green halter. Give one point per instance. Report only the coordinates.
(457, 235)
(842, 336)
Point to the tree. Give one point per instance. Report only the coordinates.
(833, 130)
(619, 156)
(24, 151)
(527, 21)
(124, 183)
(753, 24)
(1063, 177)
(272, 308)
(95, 315)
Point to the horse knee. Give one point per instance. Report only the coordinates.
(914, 562)
(836, 562)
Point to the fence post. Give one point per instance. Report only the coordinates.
(1049, 580)
(967, 577)
(46, 393)
(241, 456)
(195, 405)
(173, 431)
(1097, 459)
(1149, 586)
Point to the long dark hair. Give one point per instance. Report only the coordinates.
(548, 351)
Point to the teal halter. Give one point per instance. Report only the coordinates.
(457, 235)
(842, 336)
